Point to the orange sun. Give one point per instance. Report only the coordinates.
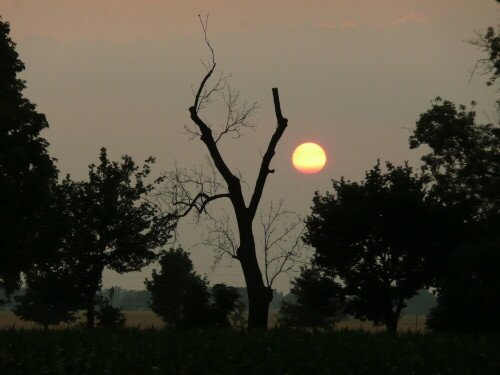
(309, 158)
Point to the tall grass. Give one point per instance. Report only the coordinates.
(167, 351)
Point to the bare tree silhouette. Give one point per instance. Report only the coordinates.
(193, 190)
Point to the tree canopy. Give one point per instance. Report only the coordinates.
(464, 160)
(320, 301)
(52, 297)
(107, 223)
(382, 239)
(27, 172)
(178, 295)
(465, 164)
(181, 298)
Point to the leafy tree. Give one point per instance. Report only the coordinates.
(319, 301)
(464, 160)
(178, 295)
(109, 224)
(225, 301)
(26, 170)
(465, 164)
(109, 316)
(51, 297)
(181, 297)
(381, 238)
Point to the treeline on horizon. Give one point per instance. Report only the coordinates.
(377, 242)
(137, 300)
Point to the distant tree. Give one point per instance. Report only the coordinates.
(52, 297)
(109, 316)
(130, 300)
(178, 295)
(225, 300)
(109, 224)
(422, 303)
(237, 318)
(319, 301)
(382, 239)
(26, 170)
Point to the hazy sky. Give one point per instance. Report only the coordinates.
(353, 76)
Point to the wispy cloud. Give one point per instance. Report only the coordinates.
(328, 25)
(412, 17)
(324, 25)
(347, 25)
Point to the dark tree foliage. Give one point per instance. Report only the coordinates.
(320, 301)
(465, 164)
(51, 298)
(26, 169)
(464, 160)
(109, 316)
(225, 300)
(468, 297)
(181, 298)
(108, 224)
(382, 238)
(178, 295)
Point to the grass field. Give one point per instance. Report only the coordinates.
(148, 319)
(283, 352)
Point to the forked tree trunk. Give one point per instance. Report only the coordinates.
(392, 322)
(259, 296)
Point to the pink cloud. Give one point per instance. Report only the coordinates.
(412, 17)
(324, 25)
(347, 25)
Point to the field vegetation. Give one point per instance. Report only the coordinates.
(148, 319)
(222, 351)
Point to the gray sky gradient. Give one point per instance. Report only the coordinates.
(353, 76)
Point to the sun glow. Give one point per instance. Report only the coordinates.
(309, 158)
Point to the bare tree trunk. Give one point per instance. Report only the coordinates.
(259, 296)
(392, 324)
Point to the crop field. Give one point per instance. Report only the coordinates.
(277, 351)
(148, 319)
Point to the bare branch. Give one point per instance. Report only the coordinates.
(488, 42)
(282, 244)
(264, 171)
(210, 69)
(184, 190)
(221, 239)
(237, 115)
